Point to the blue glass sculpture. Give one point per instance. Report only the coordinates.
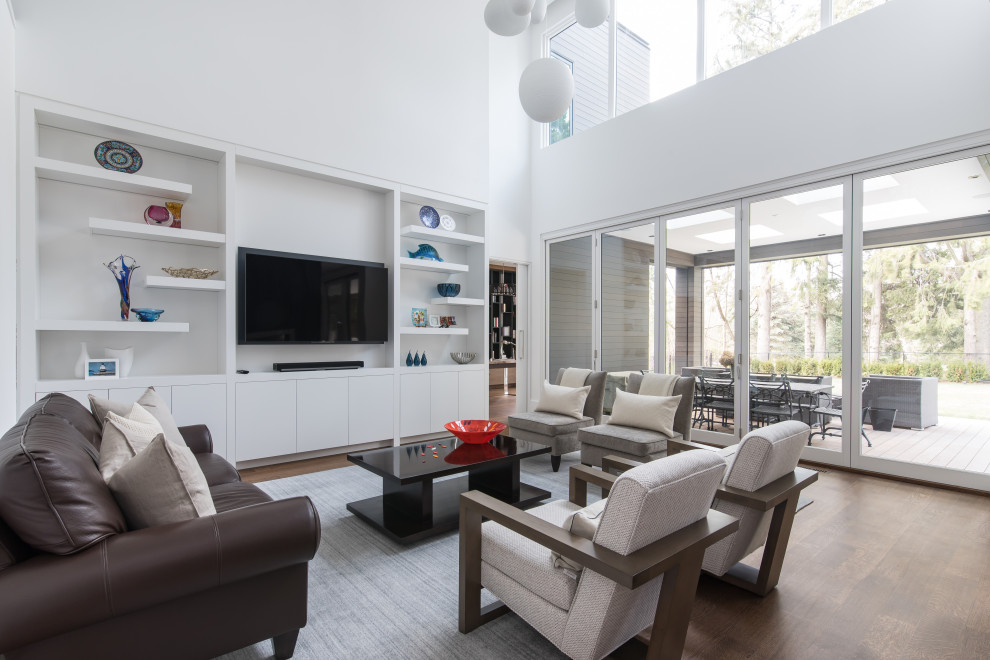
(422, 362)
(409, 361)
(416, 359)
(122, 273)
(425, 251)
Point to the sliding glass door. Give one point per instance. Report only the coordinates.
(795, 315)
(571, 323)
(924, 300)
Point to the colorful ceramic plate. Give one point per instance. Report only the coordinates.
(118, 156)
(429, 217)
(447, 222)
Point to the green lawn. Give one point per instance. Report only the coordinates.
(969, 400)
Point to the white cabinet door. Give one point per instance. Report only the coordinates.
(321, 413)
(370, 409)
(265, 419)
(82, 396)
(132, 394)
(203, 404)
(414, 408)
(472, 395)
(443, 400)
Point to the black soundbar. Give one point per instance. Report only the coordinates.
(317, 366)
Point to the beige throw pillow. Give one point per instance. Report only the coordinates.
(162, 484)
(125, 437)
(583, 523)
(150, 401)
(563, 400)
(655, 413)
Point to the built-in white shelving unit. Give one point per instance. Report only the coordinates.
(72, 325)
(98, 177)
(150, 233)
(427, 264)
(465, 302)
(451, 237)
(183, 283)
(433, 331)
(67, 232)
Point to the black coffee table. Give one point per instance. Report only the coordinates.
(413, 507)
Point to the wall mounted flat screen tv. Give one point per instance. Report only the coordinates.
(285, 298)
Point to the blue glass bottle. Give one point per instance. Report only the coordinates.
(416, 359)
(409, 360)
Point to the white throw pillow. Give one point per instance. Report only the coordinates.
(655, 413)
(125, 437)
(563, 400)
(162, 484)
(151, 402)
(583, 523)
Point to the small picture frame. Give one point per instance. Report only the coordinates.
(434, 320)
(447, 322)
(419, 317)
(102, 369)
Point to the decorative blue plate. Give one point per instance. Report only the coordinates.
(429, 217)
(118, 156)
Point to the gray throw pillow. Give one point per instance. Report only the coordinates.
(162, 484)
(126, 437)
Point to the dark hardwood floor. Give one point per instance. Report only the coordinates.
(876, 568)
(500, 404)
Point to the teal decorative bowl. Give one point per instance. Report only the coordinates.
(147, 314)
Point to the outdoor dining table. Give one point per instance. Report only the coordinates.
(805, 393)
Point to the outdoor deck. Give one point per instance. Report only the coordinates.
(955, 442)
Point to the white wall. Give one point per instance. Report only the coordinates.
(511, 134)
(8, 224)
(389, 88)
(905, 74)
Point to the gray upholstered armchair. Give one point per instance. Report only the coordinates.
(560, 431)
(639, 569)
(761, 488)
(635, 443)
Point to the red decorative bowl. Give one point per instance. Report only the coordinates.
(475, 431)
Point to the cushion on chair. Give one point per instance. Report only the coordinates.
(625, 439)
(527, 562)
(237, 495)
(643, 411)
(125, 437)
(563, 400)
(583, 523)
(547, 423)
(573, 377)
(151, 401)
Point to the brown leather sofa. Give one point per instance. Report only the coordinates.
(75, 583)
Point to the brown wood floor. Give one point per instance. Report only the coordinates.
(875, 568)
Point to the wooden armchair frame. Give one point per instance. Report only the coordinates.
(781, 496)
(677, 556)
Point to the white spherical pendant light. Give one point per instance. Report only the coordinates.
(521, 7)
(501, 20)
(546, 89)
(590, 13)
(539, 12)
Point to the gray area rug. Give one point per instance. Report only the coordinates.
(372, 598)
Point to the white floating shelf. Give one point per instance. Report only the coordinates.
(457, 301)
(426, 264)
(88, 175)
(109, 326)
(433, 331)
(452, 237)
(150, 233)
(164, 282)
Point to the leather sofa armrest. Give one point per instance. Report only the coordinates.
(197, 438)
(48, 594)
